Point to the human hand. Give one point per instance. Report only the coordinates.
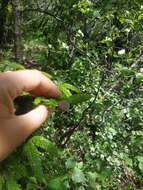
(15, 129)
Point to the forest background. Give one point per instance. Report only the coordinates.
(93, 50)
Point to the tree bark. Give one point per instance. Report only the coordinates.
(3, 14)
(17, 31)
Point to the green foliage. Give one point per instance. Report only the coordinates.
(1, 182)
(48, 102)
(139, 77)
(56, 184)
(78, 176)
(140, 159)
(6, 65)
(65, 88)
(72, 99)
(95, 47)
(33, 156)
(11, 184)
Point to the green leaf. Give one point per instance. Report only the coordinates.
(38, 101)
(78, 176)
(12, 184)
(66, 92)
(65, 88)
(128, 160)
(72, 99)
(7, 65)
(139, 77)
(33, 156)
(71, 87)
(33, 180)
(140, 159)
(77, 99)
(56, 184)
(2, 182)
(127, 71)
(45, 144)
(47, 102)
(50, 102)
(70, 163)
(124, 71)
(92, 178)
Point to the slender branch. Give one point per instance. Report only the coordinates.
(43, 12)
(137, 60)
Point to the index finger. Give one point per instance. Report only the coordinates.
(32, 81)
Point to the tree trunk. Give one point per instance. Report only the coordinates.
(3, 14)
(17, 30)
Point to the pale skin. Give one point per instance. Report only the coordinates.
(14, 130)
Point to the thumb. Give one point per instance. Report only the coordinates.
(30, 121)
(18, 128)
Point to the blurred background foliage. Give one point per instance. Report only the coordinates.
(95, 47)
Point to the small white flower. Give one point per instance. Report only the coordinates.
(108, 39)
(127, 30)
(80, 33)
(65, 46)
(121, 52)
(49, 45)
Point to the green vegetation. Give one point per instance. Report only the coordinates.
(93, 50)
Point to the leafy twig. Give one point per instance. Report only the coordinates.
(69, 133)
